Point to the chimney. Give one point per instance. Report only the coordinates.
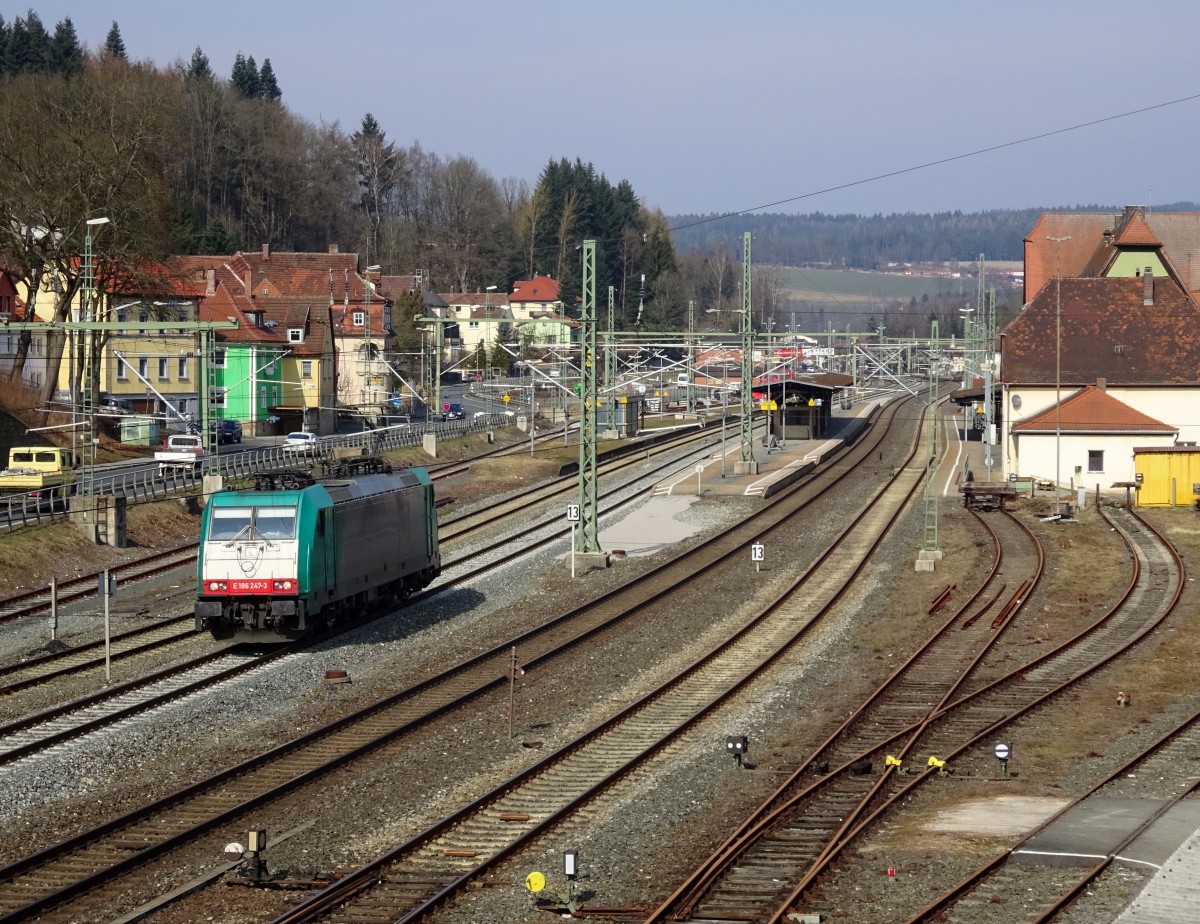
(249, 281)
(333, 248)
(1102, 384)
(210, 282)
(266, 253)
(1108, 237)
(1148, 286)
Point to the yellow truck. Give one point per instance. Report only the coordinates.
(43, 471)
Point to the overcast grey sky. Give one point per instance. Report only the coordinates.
(715, 107)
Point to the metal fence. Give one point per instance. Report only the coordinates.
(145, 481)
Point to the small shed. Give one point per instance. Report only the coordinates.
(1169, 475)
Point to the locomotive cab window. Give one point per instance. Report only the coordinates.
(228, 522)
(275, 522)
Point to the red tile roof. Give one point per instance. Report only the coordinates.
(1136, 232)
(538, 289)
(475, 299)
(1092, 410)
(1107, 332)
(1046, 258)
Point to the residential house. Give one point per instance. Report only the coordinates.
(362, 334)
(480, 317)
(246, 366)
(297, 296)
(538, 312)
(12, 308)
(1135, 340)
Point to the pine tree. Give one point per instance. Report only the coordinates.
(16, 52)
(245, 76)
(66, 56)
(39, 43)
(199, 68)
(268, 86)
(113, 43)
(5, 33)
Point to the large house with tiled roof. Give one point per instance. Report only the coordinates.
(1112, 244)
(1117, 337)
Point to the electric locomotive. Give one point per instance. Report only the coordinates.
(294, 553)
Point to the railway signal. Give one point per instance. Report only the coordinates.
(1003, 752)
(758, 554)
(738, 746)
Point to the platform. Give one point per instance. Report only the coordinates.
(778, 466)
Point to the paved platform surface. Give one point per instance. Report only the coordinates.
(717, 476)
(1092, 831)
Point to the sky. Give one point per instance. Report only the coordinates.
(722, 107)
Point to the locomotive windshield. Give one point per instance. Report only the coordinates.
(230, 524)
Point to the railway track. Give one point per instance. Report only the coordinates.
(89, 655)
(1034, 891)
(967, 722)
(416, 877)
(41, 881)
(85, 586)
(93, 712)
(748, 874)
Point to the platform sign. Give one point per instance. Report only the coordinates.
(572, 513)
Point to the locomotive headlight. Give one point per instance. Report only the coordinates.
(217, 585)
(282, 585)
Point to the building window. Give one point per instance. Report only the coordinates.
(144, 368)
(162, 367)
(219, 359)
(295, 335)
(473, 325)
(122, 370)
(1095, 460)
(183, 370)
(217, 397)
(306, 368)
(359, 318)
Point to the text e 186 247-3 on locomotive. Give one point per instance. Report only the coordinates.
(295, 553)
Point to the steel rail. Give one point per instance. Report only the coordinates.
(625, 755)
(972, 880)
(1040, 694)
(446, 691)
(787, 801)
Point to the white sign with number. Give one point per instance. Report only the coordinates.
(572, 513)
(758, 552)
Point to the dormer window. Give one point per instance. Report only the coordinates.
(295, 335)
(359, 318)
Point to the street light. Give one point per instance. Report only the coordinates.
(1058, 368)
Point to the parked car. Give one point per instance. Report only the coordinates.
(114, 406)
(227, 431)
(456, 412)
(305, 444)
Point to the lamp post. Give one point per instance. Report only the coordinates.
(1058, 367)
